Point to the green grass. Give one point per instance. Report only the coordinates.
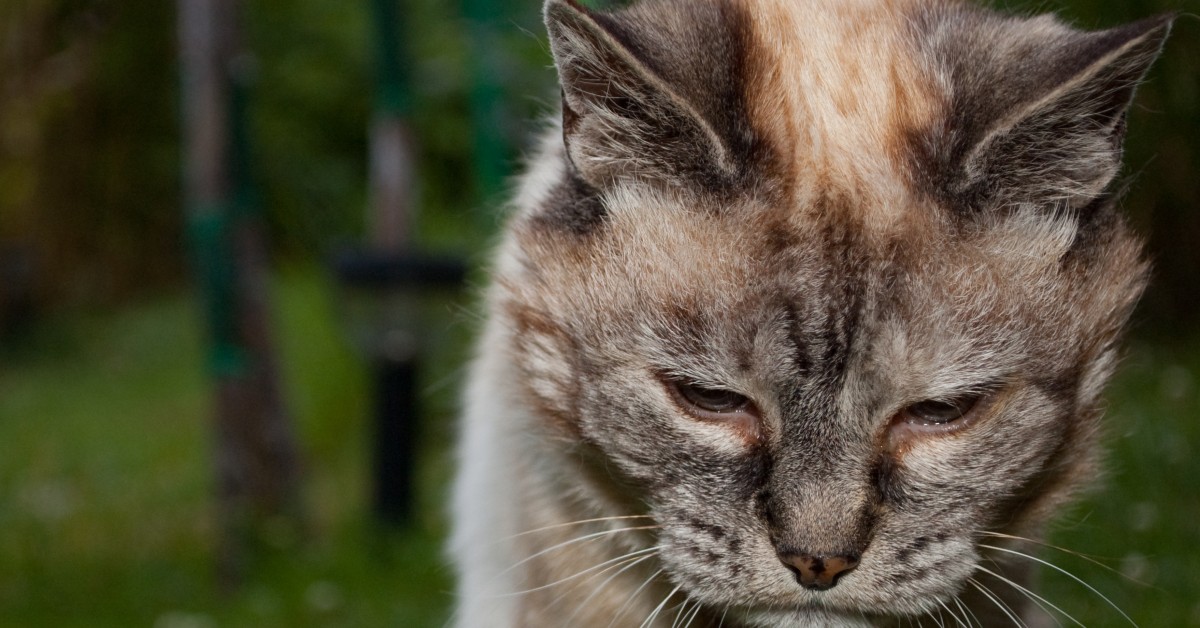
(105, 483)
(1144, 523)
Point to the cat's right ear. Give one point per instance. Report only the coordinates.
(621, 119)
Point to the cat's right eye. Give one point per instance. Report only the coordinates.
(715, 404)
(712, 400)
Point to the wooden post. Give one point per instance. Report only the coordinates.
(255, 450)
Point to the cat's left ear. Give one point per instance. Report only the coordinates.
(1060, 141)
(622, 119)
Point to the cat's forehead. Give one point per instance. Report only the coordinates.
(720, 145)
(840, 90)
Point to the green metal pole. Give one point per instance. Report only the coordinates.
(205, 32)
(213, 260)
(392, 213)
(487, 104)
(392, 60)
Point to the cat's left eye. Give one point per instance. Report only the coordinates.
(937, 416)
(939, 412)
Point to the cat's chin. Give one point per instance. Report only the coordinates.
(820, 616)
(811, 617)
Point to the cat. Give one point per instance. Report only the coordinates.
(802, 318)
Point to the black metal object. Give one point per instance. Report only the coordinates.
(396, 434)
(394, 345)
(393, 272)
(16, 290)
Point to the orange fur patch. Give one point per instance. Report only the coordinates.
(838, 91)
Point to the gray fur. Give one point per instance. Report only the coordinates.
(675, 229)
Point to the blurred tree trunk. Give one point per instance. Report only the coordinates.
(256, 461)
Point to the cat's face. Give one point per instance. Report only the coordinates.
(768, 392)
(825, 383)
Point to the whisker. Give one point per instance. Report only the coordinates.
(572, 523)
(630, 564)
(929, 613)
(947, 609)
(658, 609)
(586, 537)
(998, 602)
(680, 613)
(1067, 574)
(582, 573)
(1037, 599)
(1095, 560)
(635, 593)
(972, 619)
(959, 622)
(726, 612)
(695, 613)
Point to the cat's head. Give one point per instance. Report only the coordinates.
(829, 289)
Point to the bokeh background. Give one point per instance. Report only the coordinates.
(108, 490)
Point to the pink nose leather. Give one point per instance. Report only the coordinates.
(818, 573)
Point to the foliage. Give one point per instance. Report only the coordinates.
(89, 145)
(88, 149)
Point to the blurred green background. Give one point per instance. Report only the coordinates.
(106, 498)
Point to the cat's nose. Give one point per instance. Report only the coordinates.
(818, 573)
